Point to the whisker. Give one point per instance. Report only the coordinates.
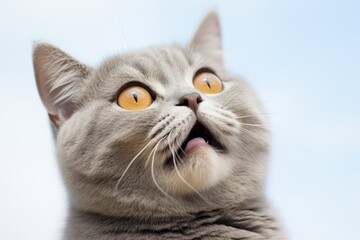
(131, 162)
(154, 149)
(253, 115)
(218, 150)
(248, 150)
(153, 175)
(253, 134)
(182, 150)
(174, 155)
(256, 125)
(258, 114)
(251, 104)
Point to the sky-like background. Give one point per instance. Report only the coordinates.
(301, 56)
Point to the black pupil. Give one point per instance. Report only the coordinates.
(135, 96)
(207, 83)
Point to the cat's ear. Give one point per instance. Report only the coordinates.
(58, 78)
(207, 38)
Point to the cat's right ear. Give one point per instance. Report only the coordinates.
(58, 78)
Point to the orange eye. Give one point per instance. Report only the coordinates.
(134, 98)
(207, 82)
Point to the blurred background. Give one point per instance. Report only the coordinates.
(302, 57)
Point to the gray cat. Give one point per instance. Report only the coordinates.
(160, 143)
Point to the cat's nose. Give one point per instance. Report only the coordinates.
(191, 100)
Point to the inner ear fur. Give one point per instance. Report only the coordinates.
(207, 38)
(58, 79)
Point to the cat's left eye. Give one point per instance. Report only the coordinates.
(134, 98)
(207, 82)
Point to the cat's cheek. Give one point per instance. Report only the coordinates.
(201, 170)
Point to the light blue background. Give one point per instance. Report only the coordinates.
(302, 57)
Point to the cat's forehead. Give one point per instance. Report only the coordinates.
(161, 63)
(161, 68)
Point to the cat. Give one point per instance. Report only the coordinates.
(159, 143)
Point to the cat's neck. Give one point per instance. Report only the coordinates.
(245, 223)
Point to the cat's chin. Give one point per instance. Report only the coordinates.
(201, 169)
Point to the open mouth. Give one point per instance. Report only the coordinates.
(199, 135)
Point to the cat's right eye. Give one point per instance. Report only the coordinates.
(134, 98)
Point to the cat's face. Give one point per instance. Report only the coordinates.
(158, 132)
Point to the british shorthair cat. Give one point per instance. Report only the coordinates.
(159, 143)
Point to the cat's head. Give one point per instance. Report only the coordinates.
(161, 131)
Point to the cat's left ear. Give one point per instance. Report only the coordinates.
(207, 38)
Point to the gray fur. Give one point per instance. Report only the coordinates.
(97, 140)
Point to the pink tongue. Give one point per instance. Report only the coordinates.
(193, 144)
